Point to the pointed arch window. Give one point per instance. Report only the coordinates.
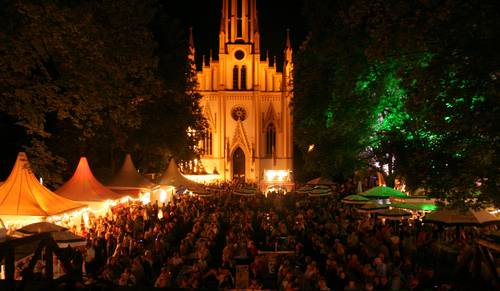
(270, 139)
(207, 143)
(243, 84)
(235, 78)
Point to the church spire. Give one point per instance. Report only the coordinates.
(287, 42)
(239, 22)
(191, 39)
(288, 48)
(191, 50)
(288, 63)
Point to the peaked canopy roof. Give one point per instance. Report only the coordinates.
(128, 178)
(83, 186)
(22, 194)
(173, 177)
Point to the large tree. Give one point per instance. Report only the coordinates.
(80, 77)
(427, 78)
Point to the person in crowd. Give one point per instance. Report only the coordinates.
(287, 242)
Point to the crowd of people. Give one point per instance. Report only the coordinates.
(280, 242)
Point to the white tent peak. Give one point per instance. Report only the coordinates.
(173, 177)
(128, 177)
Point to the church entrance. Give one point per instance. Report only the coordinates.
(239, 165)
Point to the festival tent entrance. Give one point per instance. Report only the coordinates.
(127, 181)
(24, 200)
(83, 186)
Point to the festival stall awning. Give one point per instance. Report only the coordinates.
(60, 234)
(83, 186)
(457, 217)
(173, 177)
(383, 192)
(23, 195)
(39, 227)
(128, 181)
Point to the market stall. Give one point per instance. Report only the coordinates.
(24, 200)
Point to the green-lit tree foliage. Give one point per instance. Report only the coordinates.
(425, 74)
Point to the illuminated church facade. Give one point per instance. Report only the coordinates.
(245, 100)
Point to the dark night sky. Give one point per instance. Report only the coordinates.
(275, 16)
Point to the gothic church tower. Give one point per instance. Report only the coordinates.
(246, 101)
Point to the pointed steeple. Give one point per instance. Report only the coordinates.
(287, 63)
(191, 39)
(288, 48)
(191, 50)
(288, 42)
(255, 24)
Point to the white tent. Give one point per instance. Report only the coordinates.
(173, 177)
(128, 181)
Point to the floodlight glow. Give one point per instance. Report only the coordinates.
(145, 197)
(277, 175)
(163, 196)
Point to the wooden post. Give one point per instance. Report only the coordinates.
(10, 268)
(49, 261)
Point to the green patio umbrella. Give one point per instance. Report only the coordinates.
(320, 181)
(457, 217)
(371, 207)
(393, 214)
(246, 191)
(416, 206)
(320, 191)
(355, 199)
(304, 189)
(383, 192)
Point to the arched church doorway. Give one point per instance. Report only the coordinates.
(239, 165)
